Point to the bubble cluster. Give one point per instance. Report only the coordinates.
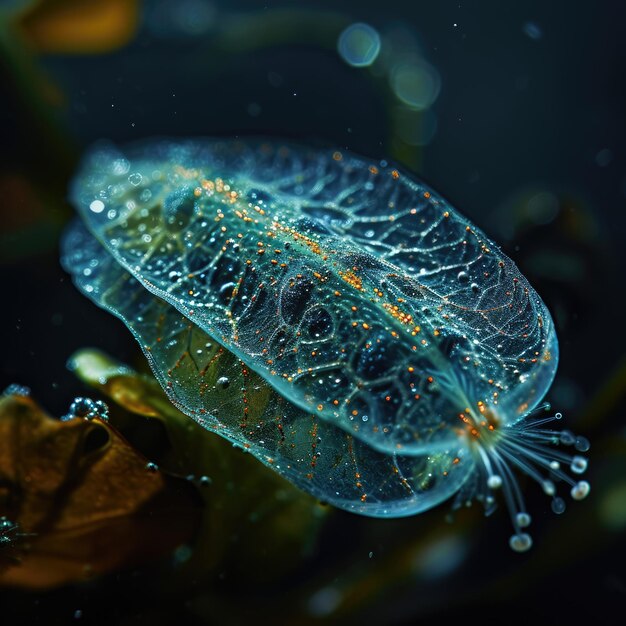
(9, 531)
(87, 409)
(16, 390)
(330, 314)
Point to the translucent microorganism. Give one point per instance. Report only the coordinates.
(330, 314)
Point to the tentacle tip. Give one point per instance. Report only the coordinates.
(532, 449)
(520, 542)
(581, 490)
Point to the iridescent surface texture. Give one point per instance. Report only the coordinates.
(330, 314)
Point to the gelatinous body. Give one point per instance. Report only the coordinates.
(331, 314)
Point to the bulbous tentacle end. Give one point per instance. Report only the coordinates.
(531, 447)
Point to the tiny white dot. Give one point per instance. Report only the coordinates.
(97, 206)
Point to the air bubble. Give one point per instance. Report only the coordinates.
(227, 288)
(101, 410)
(152, 467)
(462, 277)
(135, 179)
(120, 166)
(82, 407)
(223, 382)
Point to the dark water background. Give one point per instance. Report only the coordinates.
(530, 144)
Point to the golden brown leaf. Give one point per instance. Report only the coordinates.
(80, 27)
(81, 499)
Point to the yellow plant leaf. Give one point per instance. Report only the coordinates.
(80, 500)
(80, 26)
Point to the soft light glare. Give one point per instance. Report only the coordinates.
(416, 84)
(359, 45)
